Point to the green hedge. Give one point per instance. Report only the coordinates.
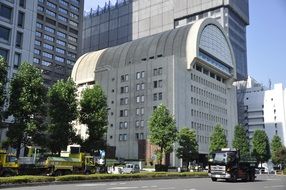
(25, 179)
(129, 176)
(143, 175)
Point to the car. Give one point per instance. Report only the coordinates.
(130, 169)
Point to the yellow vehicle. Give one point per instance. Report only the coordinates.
(8, 164)
(71, 161)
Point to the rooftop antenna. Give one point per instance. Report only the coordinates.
(269, 83)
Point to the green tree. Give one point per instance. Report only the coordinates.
(240, 140)
(162, 130)
(280, 155)
(276, 145)
(218, 139)
(94, 113)
(27, 105)
(3, 80)
(261, 148)
(62, 111)
(188, 146)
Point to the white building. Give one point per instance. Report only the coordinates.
(264, 108)
(189, 69)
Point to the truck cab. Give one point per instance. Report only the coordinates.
(227, 164)
(8, 164)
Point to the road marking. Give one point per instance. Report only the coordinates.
(123, 188)
(272, 179)
(274, 186)
(91, 184)
(166, 188)
(143, 187)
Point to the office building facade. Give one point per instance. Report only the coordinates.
(57, 37)
(132, 19)
(263, 108)
(189, 69)
(46, 33)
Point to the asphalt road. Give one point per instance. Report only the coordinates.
(263, 182)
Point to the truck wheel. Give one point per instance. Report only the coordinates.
(58, 173)
(6, 174)
(252, 178)
(247, 178)
(214, 179)
(234, 177)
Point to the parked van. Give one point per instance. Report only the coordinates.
(131, 168)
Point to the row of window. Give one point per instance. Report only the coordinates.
(62, 2)
(201, 127)
(140, 86)
(208, 117)
(52, 39)
(50, 47)
(157, 96)
(201, 103)
(203, 139)
(60, 25)
(123, 137)
(208, 94)
(141, 74)
(208, 83)
(43, 62)
(124, 124)
(49, 55)
(140, 99)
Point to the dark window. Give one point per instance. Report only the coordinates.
(22, 3)
(74, 31)
(4, 53)
(155, 84)
(62, 26)
(21, 19)
(50, 21)
(17, 60)
(4, 34)
(19, 40)
(5, 11)
(40, 17)
(160, 96)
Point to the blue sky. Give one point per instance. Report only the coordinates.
(266, 39)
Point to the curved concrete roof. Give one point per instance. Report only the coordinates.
(181, 42)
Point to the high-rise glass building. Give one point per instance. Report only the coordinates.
(132, 19)
(44, 32)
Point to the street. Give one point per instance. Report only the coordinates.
(262, 182)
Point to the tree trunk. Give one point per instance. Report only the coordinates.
(161, 157)
(18, 148)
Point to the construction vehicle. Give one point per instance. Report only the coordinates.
(8, 164)
(69, 162)
(227, 164)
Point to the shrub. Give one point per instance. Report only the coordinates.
(25, 179)
(161, 168)
(94, 177)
